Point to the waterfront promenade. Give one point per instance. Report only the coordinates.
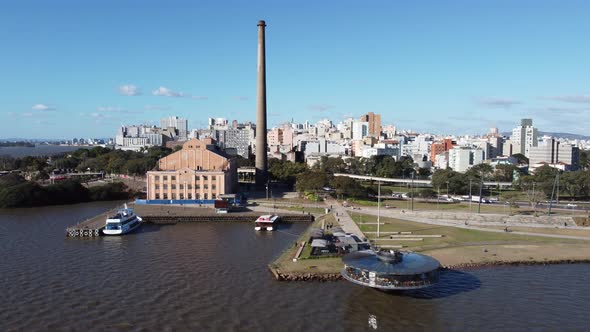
(343, 218)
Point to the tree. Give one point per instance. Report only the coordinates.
(584, 159)
(521, 158)
(427, 193)
(576, 183)
(348, 187)
(332, 165)
(458, 183)
(311, 181)
(480, 171)
(504, 172)
(424, 172)
(285, 171)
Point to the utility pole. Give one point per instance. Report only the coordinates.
(533, 200)
(480, 193)
(378, 207)
(552, 191)
(412, 191)
(470, 199)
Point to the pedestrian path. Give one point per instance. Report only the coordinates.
(344, 220)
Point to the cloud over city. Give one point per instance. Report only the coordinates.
(493, 102)
(320, 107)
(579, 99)
(42, 107)
(129, 90)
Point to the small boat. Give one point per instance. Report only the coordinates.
(123, 222)
(266, 222)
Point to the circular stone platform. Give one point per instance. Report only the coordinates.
(390, 270)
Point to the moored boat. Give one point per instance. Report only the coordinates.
(266, 222)
(123, 222)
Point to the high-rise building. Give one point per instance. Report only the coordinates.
(359, 130)
(180, 124)
(554, 154)
(461, 158)
(524, 137)
(374, 123)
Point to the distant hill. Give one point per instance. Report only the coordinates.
(558, 135)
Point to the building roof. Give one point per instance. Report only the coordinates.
(319, 243)
(384, 262)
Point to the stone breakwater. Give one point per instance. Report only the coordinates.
(324, 277)
(307, 276)
(480, 265)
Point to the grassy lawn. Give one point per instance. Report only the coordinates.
(452, 236)
(462, 207)
(304, 265)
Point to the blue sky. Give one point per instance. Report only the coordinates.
(82, 68)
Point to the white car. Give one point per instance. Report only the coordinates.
(571, 205)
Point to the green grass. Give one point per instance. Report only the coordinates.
(452, 236)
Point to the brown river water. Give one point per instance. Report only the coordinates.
(213, 276)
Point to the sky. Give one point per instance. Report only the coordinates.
(83, 68)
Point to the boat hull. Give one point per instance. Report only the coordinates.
(125, 229)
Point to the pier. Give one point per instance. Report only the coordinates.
(173, 214)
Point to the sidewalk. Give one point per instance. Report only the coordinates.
(344, 219)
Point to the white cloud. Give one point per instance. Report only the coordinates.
(156, 107)
(165, 92)
(498, 102)
(42, 107)
(129, 90)
(110, 109)
(320, 107)
(580, 99)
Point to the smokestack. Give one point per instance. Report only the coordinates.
(261, 158)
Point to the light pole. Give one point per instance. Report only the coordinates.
(438, 197)
(378, 206)
(533, 200)
(470, 199)
(412, 191)
(480, 193)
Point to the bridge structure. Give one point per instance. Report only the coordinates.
(246, 174)
(416, 182)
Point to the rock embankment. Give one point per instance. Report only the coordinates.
(307, 276)
(469, 266)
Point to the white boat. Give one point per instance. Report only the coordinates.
(123, 222)
(266, 222)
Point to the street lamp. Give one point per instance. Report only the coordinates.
(378, 206)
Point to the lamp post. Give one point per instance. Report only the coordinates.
(438, 197)
(378, 206)
(470, 199)
(412, 191)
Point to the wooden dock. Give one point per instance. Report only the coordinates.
(171, 214)
(90, 227)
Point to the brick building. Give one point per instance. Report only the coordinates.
(199, 171)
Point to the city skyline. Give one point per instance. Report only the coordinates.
(453, 68)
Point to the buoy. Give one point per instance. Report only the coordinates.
(85, 233)
(71, 233)
(96, 232)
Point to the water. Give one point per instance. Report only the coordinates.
(40, 150)
(213, 276)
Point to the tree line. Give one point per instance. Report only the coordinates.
(15, 191)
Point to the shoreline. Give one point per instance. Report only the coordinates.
(326, 277)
